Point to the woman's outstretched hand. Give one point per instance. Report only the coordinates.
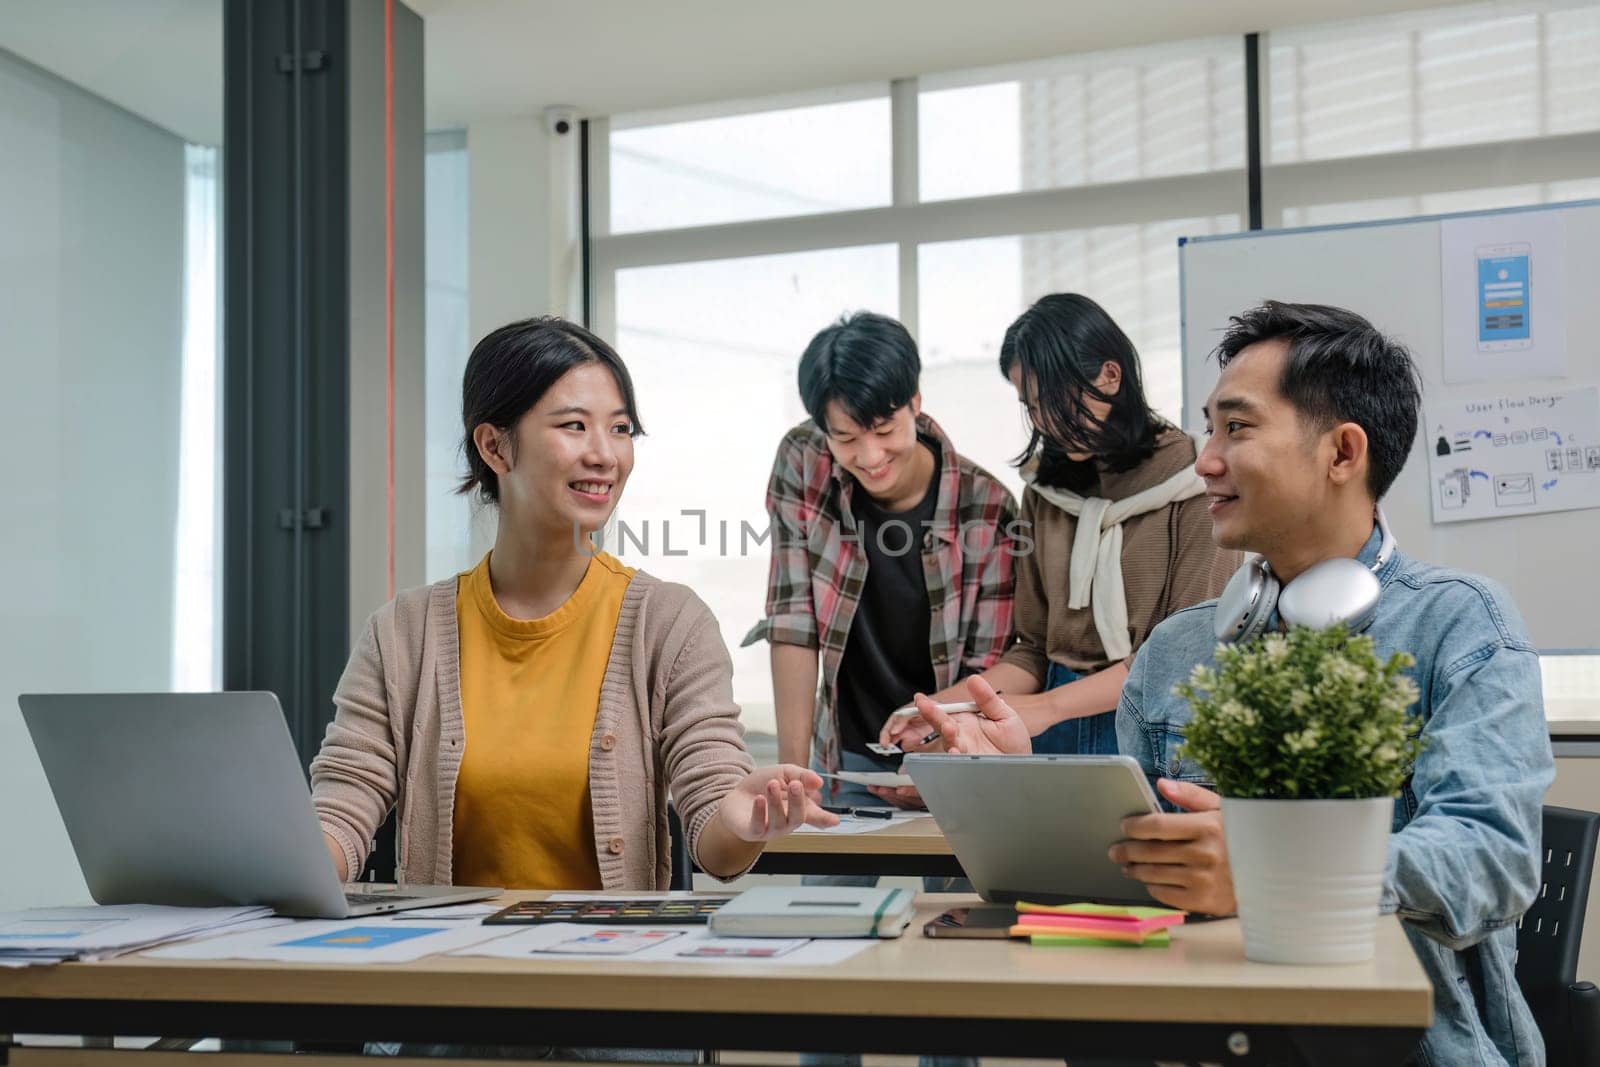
(774, 801)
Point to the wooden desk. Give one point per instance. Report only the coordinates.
(1197, 1000)
(916, 847)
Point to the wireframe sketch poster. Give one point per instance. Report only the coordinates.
(1498, 456)
(1504, 279)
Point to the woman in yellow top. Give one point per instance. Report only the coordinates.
(528, 718)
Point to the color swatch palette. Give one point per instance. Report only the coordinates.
(652, 911)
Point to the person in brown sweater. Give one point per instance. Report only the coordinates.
(1120, 537)
(528, 718)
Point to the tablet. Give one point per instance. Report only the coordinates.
(1036, 828)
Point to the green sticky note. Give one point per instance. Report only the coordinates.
(1158, 939)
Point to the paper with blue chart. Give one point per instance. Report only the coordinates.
(356, 941)
(1499, 455)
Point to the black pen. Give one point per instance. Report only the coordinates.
(861, 813)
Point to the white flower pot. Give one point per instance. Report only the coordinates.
(1308, 875)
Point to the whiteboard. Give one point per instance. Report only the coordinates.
(1390, 273)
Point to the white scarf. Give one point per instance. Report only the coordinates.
(1095, 570)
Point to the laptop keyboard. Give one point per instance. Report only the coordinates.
(377, 898)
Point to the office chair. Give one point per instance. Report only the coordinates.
(682, 863)
(380, 865)
(1548, 938)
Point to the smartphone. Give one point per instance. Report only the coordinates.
(991, 921)
(1505, 319)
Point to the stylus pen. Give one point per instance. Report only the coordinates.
(961, 707)
(965, 707)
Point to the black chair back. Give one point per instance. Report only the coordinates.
(380, 865)
(682, 863)
(1551, 933)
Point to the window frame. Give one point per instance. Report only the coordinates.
(908, 222)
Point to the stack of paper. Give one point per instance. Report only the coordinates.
(1095, 924)
(55, 935)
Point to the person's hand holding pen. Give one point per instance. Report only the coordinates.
(989, 725)
(994, 728)
(910, 732)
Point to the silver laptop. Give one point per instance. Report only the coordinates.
(197, 799)
(1036, 828)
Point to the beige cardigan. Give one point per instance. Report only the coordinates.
(666, 720)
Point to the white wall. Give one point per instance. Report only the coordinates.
(522, 253)
(91, 270)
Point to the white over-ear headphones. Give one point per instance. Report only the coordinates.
(1333, 591)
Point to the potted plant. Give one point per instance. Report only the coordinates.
(1307, 737)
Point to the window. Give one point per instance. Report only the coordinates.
(197, 586)
(446, 347)
(732, 168)
(1118, 116)
(1463, 75)
(715, 394)
(1461, 108)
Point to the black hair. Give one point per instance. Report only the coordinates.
(512, 368)
(1340, 369)
(867, 362)
(1060, 343)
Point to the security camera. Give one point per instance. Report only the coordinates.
(560, 120)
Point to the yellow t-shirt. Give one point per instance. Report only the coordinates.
(530, 689)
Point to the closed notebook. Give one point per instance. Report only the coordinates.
(815, 911)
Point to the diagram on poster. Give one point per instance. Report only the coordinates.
(1504, 279)
(1492, 457)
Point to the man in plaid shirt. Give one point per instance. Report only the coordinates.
(891, 553)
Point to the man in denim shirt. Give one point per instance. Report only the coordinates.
(1309, 425)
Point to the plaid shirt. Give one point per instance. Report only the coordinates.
(819, 566)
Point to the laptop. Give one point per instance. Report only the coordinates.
(197, 799)
(1036, 828)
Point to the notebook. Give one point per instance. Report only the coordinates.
(815, 911)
